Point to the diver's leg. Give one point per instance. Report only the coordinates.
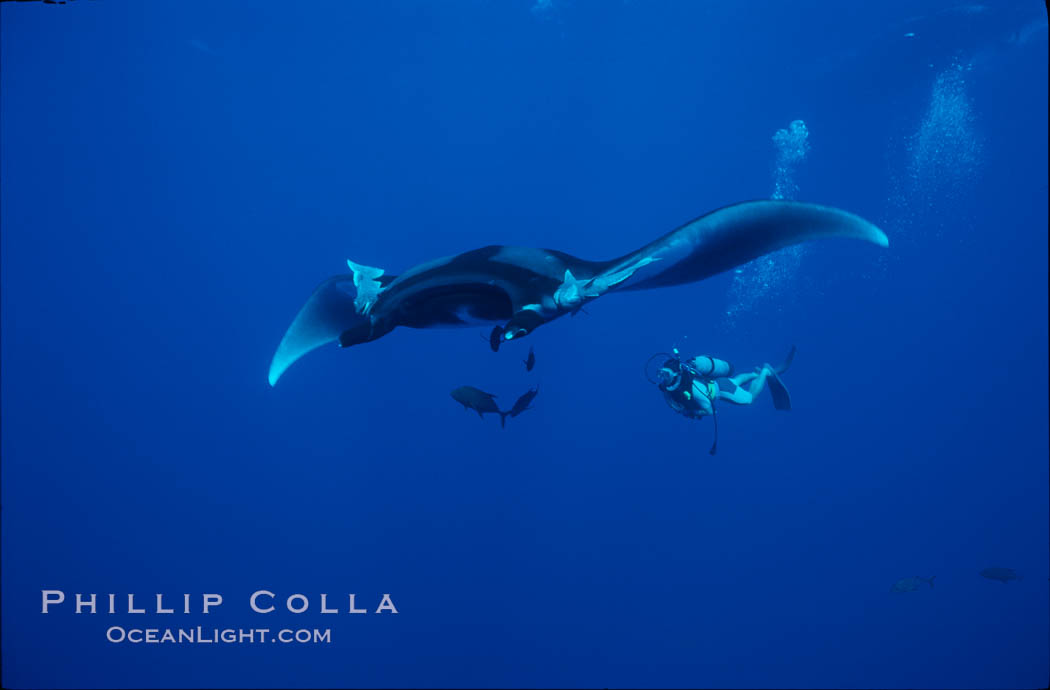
(732, 393)
(759, 382)
(754, 380)
(741, 379)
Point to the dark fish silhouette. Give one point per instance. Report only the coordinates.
(472, 398)
(1003, 575)
(530, 361)
(522, 288)
(911, 584)
(522, 403)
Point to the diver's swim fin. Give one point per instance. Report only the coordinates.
(781, 398)
(787, 362)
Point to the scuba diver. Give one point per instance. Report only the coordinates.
(692, 387)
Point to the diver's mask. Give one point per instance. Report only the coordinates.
(669, 378)
(669, 373)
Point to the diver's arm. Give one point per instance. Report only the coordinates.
(700, 396)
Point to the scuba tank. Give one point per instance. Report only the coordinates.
(711, 368)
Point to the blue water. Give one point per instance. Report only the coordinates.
(176, 179)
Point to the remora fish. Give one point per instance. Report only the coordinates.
(522, 288)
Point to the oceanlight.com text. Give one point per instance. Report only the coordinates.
(202, 635)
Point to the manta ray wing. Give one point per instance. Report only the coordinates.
(732, 236)
(532, 287)
(332, 309)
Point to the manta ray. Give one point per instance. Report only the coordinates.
(521, 288)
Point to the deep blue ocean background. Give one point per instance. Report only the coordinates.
(177, 177)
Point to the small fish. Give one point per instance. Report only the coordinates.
(1003, 575)
(495, 338)
(472, 398)
(910, 584)
(530, 361)
(522, 403)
